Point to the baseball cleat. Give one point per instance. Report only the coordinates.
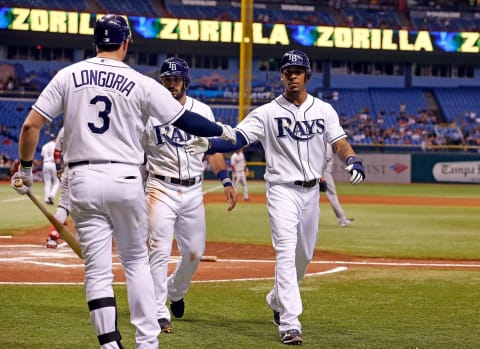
(177, 308)
(276, 318)
(165, 325)
(344, 222)
(291, 337)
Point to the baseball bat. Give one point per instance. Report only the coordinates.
(66, 235)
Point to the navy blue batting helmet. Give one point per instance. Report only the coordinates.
(296, 58)
(175, 66)
(111, 30)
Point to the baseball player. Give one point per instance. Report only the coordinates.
(239, 168)
(175, 198)
(293, 129)
(50, 179)
(63, 208)
(331, 190)
(106, 105)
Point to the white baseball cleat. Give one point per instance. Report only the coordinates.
(344, 222)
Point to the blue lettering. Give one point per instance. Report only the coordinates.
(299, 130)
(103, 79)
(175, 137)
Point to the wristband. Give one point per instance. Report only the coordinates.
(26, 164)
(351, 159)
(223, 176)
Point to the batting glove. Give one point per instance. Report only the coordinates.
(355, 169)
(228, 133)
(198, 145)
(22, 180)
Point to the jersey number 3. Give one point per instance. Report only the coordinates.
(101, 114)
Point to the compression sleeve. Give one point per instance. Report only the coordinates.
(218, 145)
(197, 125)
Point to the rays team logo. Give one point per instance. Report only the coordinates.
(172, 66)
(299, 130)
(294, 58)
(398, 168)
(171, 135)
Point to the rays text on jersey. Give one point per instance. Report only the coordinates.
(171, 135)
(302, 130)
(103, 79)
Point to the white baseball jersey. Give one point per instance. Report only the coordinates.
(47, 152)
(61, 215)
(59, 142)
(93, 120)
(293, 137)
(165, 146)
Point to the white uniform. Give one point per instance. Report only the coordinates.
(63, 208)
(294, 139)
(238, 163)
(51, 182)
(106, 105)
(174, 207)
(331, 191)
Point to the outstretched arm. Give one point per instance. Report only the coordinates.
(214, 145)
(197, 125)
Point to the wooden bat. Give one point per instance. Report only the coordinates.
(66, 235)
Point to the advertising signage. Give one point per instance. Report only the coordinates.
(229, 32)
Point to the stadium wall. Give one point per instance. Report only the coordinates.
(402, 168)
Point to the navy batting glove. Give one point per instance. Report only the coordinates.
(355, 169)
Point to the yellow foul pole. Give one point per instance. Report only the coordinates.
(245, 75)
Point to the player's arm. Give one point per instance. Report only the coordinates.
(344, 152)
(197, 125)
(215, 145)
(27, 143)
(29, 135)
(219, 167)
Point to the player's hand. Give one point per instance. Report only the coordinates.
(22, 180)
(228, 133)
(355, 169)
(198, 145)
(231, 195)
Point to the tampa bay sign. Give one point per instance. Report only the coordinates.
(229, 32)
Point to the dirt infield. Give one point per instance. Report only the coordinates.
(24, 258)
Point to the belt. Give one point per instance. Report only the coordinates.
(185, 182)
(93, 162)
(306, 184)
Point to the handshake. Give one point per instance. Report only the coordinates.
(200, 145)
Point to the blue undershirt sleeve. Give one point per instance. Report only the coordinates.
(218, 145)
(197, 125)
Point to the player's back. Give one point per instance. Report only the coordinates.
(106, 104)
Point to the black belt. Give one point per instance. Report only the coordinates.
(306, 184)
(93, 162)
(185, 182)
